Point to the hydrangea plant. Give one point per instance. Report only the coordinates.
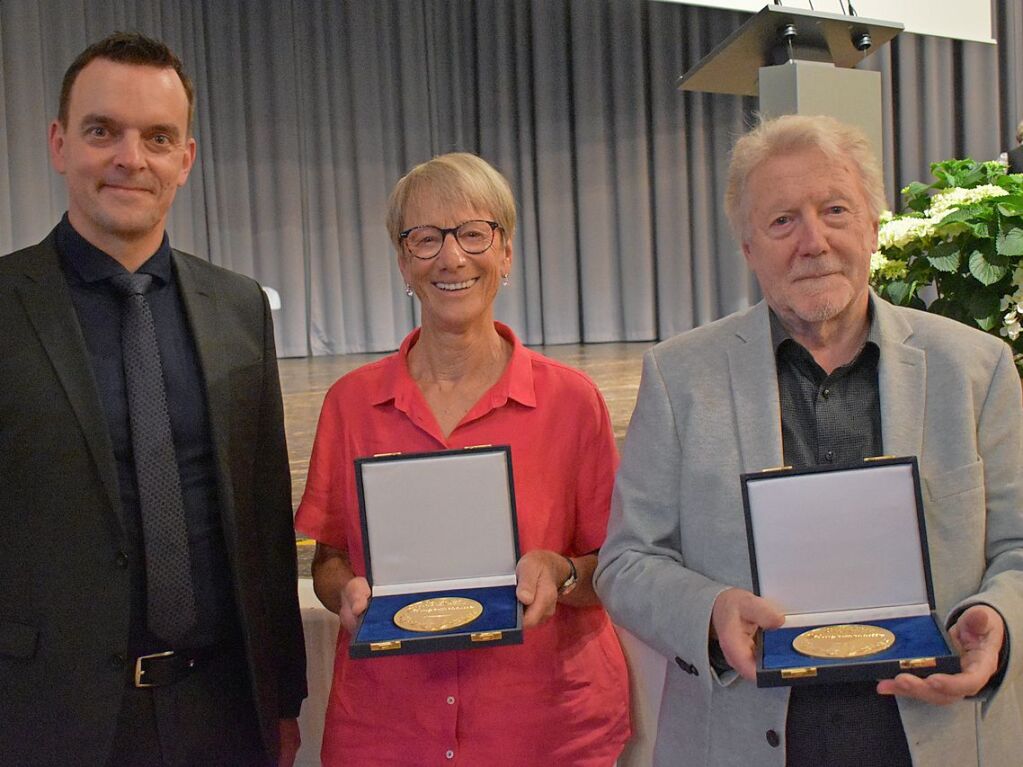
(957, 249)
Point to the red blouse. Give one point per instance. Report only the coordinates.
(562, 696)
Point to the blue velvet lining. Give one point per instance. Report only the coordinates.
(915, 637)
(500, 613)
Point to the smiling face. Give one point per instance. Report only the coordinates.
(808, 237)
(124, 152)
(457, 289)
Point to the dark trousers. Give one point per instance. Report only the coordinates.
(844, 725)
(206, 719)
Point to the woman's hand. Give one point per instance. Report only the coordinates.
(354, 601)
(339, 589)
(539, 574)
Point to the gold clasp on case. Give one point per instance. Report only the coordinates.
(378, 646)
(385, 455)
(806, 672)
(485, 636)
(911, 663)
(878, 458)
(776, 468)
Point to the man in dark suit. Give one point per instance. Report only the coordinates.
(149, 613)
(1015, 156)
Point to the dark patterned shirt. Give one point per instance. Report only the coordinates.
(835, 419)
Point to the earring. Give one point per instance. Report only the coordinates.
(504, 280)
(408, 290)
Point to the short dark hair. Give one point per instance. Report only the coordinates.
(126, 48)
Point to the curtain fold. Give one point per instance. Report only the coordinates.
(309, 111)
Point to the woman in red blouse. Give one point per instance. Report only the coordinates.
(460, 380)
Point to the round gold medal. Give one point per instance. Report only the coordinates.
(438, 614)
(845, 640)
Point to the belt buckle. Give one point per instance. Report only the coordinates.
(139, 671)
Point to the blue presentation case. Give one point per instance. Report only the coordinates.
(837, 545)
(439, 524)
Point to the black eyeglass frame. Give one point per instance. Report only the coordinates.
(453, 231)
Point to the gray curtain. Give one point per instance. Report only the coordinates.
(310, 110)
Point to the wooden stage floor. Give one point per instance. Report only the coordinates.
(614, 367)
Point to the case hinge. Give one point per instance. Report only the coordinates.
(805, 672)
(378, 646)
(485, 636)
(910, 663)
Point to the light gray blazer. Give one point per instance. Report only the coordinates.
(708, 410)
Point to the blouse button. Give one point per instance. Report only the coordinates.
(451, 700)
(450, 754)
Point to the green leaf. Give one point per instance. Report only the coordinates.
(944, 256)
(1011, 205)
(1010, 241)
(915, 197)
(982, 305)
(965, 173)
(987, 323)
(969, 213)
(981, 230)
(984, 271)
(899, 292)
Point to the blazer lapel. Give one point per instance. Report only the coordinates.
(47, 303)
(754, 387)
(902, 381)
(203, 312)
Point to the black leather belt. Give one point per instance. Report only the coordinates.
(163, 668)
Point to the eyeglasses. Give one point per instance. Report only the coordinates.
(425, 242)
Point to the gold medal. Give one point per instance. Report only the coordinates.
(438, 614)
(845, 640)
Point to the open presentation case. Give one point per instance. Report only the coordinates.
(840, 546)
(442, 527)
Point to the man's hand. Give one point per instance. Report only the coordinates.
(291, 739)
(539, 574)
(736, 616)
(354, 601)
(977, 636)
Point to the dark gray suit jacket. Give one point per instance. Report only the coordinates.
(1016, 160)
(64, 598)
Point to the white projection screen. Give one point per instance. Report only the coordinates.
(958, 19)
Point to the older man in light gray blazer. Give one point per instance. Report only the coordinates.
(821, 371)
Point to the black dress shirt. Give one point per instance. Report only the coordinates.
(835, 419)
(98, 305)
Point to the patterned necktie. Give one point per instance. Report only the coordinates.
(170, 594)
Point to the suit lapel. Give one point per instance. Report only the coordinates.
(207, 331)
(754, 387)
(47, 302)
(902, 380)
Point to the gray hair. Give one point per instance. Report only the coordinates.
(793, 133)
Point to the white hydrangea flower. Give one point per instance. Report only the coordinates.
(944, 201)
(899, 232)
(886, 267)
